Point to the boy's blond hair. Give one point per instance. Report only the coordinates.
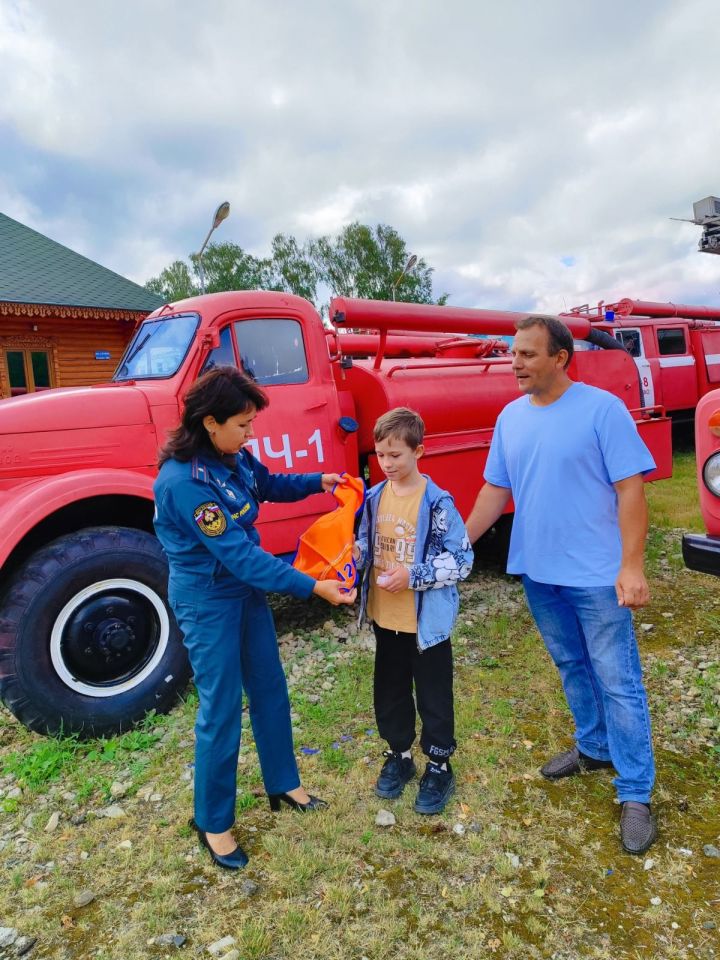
(402, 423)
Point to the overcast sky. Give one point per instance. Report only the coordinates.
(532, 151)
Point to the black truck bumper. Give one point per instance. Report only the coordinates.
(701, 553)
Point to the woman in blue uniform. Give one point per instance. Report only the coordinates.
(207, 496)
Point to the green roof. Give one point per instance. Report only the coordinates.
(36, 269)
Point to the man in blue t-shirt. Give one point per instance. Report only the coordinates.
(570, 456)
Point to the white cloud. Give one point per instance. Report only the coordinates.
(340, 210)
(502, 141)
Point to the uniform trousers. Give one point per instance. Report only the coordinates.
(230, 638)
(398, 663)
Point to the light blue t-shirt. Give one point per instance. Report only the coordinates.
(561, 461)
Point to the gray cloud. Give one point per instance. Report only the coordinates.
(532, 153)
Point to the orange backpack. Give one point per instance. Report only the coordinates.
(325, 549)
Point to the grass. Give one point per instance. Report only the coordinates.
(674, 503)
(516, 867)
(87, 765)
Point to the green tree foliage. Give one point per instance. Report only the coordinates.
(293, 268)
(175, 282)
(360, 262)
(228, 267)
(367, 263)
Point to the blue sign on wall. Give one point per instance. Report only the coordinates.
(102, 354)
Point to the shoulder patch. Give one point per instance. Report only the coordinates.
(210, 518)
(198, 470)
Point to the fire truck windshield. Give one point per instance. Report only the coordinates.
(158, 348)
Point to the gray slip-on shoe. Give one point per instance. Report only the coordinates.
(571, 762)
(638, 827)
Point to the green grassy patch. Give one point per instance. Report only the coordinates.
(674, 503)
(516, 867)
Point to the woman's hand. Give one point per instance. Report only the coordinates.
(330, 479)
(334, 592)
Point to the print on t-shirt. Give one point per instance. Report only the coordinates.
(394, 547)
(398, 549)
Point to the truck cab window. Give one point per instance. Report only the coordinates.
(272, 351)
(221, 356)
(671, 341)
(158, 348)
(630, 339)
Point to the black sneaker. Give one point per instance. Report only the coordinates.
(396, 772)
(436, 788)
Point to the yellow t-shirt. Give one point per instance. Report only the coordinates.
(394, 546)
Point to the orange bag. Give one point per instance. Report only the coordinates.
(325, 549)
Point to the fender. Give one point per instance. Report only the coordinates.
(32, 502)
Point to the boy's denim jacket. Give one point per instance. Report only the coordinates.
(444, 556)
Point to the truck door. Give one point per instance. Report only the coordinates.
(710, 341)
(292, 435)
(677, 368)
(631, 339)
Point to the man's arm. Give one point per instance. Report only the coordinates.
(490, 503)
(631, 586)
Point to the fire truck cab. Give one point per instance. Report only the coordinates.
(676, 349)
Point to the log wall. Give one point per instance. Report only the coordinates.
(71, 342)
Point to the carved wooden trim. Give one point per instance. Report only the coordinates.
(76, 313)
(26, 343)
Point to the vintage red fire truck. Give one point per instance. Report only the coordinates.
(702, 552)
(676, 348)
(87, 643)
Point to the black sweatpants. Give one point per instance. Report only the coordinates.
(398, 663)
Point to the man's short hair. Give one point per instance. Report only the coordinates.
(559, 337)
(402, 423)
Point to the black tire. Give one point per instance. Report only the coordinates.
(88, 644)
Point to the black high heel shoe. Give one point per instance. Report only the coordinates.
(235, 860)
(314, 803)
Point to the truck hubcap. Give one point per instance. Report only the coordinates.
(109, 637)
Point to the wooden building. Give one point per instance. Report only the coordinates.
(64, 320)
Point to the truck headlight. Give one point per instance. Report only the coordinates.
(711, 473)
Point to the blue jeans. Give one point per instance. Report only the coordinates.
(592, 643)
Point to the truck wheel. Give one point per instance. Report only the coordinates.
(87, 642)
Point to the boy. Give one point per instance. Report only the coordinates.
(404, 514)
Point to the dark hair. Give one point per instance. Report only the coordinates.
(559, 337)
(402, 423)
(221, 393)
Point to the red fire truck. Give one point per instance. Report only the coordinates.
(87, 643)
(676, 348)
(702, 552)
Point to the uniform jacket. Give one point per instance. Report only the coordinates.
(205, 513)
(445, 558)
